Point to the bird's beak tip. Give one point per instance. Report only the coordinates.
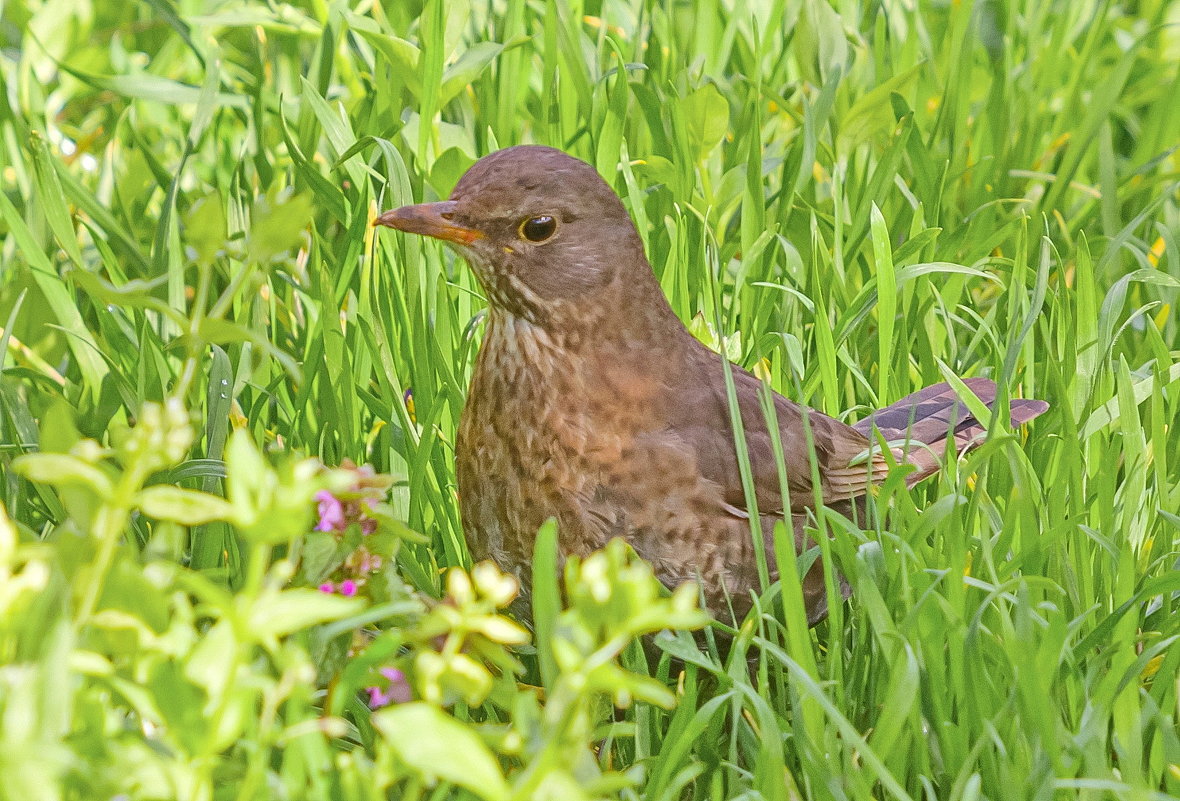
(390, 218)
(428, 219)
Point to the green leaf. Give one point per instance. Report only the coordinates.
(448, 169)
(246, 474)
(282, 18)
(872, 116)
(320, 556)
(59, 433)
(659, 170)
(402, 55)
(730, 346)
(278, 227)
(153, 87)
(886, 299)
(1141, 389)
(58, 469)
(460, 74)
(706, 118)
(337, 128)
(184, 506)
(822, 40)
(216, 331)
(205, 227)
(546, 597)
(206, 664)
(439, 747)
(134, 293)
(81, 342)
(278, 614)
(51, 200)
(181, 703)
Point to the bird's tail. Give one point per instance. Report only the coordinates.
(920, 425)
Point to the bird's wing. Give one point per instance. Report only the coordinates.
(844, 461)
(923, 423)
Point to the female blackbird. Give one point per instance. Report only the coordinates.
(593, 404)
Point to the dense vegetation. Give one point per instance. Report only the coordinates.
(227, 405)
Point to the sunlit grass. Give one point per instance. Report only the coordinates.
(866, 198)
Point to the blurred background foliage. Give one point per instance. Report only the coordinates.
(853, 198)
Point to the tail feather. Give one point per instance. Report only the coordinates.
(924, 422)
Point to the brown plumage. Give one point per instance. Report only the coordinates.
(592, 403)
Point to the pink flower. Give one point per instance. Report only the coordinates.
(368, 562)
(331, 512)
(398, 692)
(338, 511)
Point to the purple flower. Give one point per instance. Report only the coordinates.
(397, 693)
(331, 512)
(327, 587)
(348, 587)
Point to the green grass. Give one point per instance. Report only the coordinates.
(865, 197)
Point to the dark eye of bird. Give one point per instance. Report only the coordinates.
(539, 228)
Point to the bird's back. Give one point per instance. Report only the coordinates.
(640, 445)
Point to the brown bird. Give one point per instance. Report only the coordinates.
(593, 404)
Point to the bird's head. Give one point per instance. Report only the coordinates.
(540, 229)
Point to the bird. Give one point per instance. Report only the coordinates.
(591, 402)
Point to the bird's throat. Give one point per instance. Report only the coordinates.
(517, 348)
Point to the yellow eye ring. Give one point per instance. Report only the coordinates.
(538, 228)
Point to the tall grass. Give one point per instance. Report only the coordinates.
(867, 196)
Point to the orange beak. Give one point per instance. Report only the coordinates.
(429, 219)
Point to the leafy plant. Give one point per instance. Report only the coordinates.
(854, 199)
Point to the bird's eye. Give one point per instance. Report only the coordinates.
(539, 228)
